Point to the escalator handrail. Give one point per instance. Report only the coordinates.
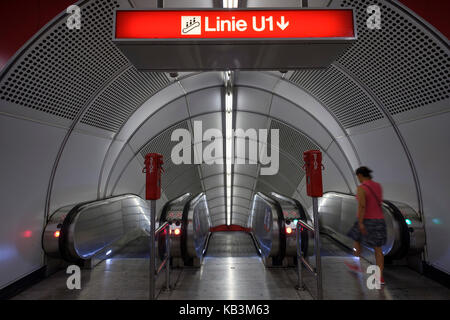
(297, 203)
(305, 225)
(205, 248)
(404, 233)
(184, 218)
(161, 228)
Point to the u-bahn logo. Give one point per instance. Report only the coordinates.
(267, 218)
(191, 25)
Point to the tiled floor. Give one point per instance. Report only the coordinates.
(340, 283)
(232, 270)
(124, 277)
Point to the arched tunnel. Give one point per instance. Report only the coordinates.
(77, 119)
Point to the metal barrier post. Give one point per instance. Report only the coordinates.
(317, 271)
(317, 249)
(168, 257)
(314, 188)
(152, 249)
(153, 168)
(300, 285)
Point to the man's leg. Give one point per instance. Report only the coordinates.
(355, 265)
(356, 249)
(379, 258)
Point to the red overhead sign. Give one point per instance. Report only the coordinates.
(235, 24)
(233, 39)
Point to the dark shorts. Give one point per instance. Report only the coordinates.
(376, 233)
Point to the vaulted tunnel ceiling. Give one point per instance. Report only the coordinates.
(178, 179)
(81, 82)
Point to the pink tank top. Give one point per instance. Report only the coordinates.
(373, 209)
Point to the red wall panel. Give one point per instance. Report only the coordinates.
(434, 12)
(232, 227)
(21, 19)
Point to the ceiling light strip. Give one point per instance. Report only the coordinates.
(229, 142)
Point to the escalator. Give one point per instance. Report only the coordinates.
(231, 244)
(272, 217)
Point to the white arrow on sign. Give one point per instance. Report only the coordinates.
(281, 24)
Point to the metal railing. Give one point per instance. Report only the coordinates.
(317, 271)
(154, 272)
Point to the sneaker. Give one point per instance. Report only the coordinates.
(353, 267)
(382, 280)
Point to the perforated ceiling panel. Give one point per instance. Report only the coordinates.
(122, 97)
(340, 94)
(403, 65)
(162, 143)
(285, 181)
(293, 142)
(62, 69)
(181, 179)
(292, 146)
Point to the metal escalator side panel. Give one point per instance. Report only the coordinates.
(84, 235)
(201, 226)
(291, 244)
(52, 232)
(90, 228)
(402, 249)
(205, 248)
(414, 225)
(66, 248)
(281, 233)
(255, 243)
(293, 209)
(163, 216)
(262, 225)
(185, 235)
(162, 240)
(331, 220)
(171, 206)
(168, 206)
(184, 232)
(338, 213)
(301, 210)
(305, 236)
(99, 226)
(395, 240)
(197, 226)
(268, 227)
